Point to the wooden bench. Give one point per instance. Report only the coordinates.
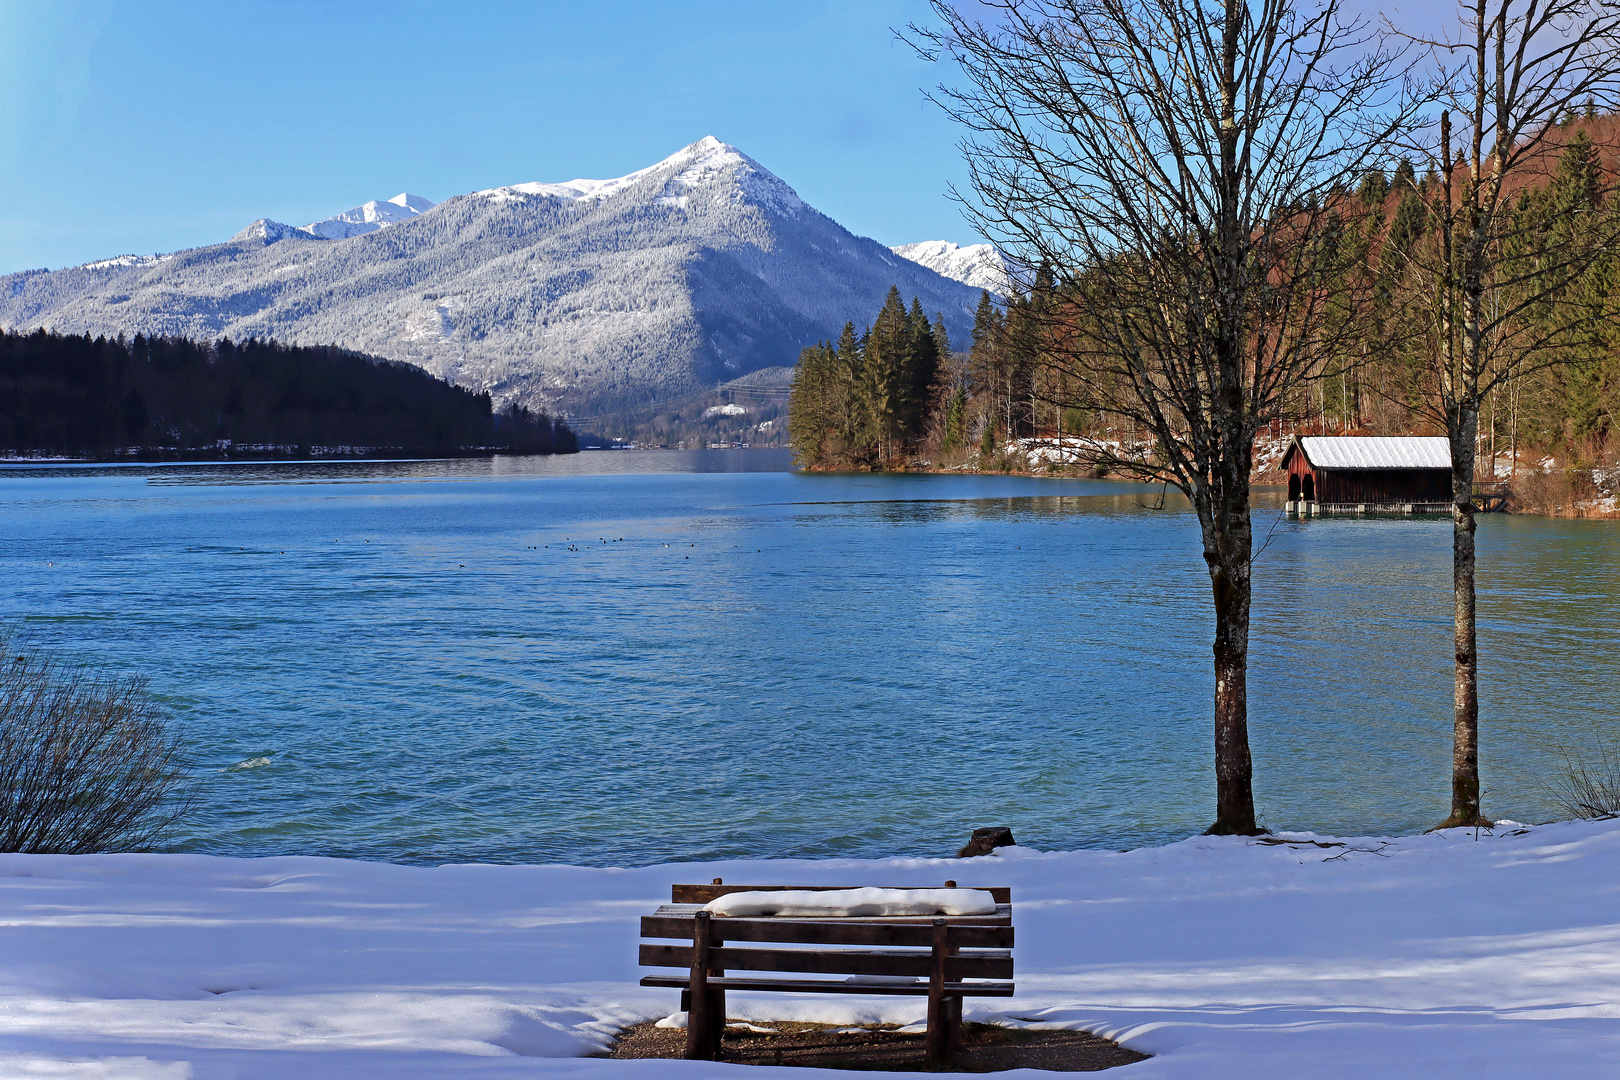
(958, 956)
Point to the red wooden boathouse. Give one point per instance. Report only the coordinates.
(1350, 474)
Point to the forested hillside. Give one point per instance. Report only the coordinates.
(1007, 388)
(160, 398)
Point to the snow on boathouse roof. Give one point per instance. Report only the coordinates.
(1376, 452)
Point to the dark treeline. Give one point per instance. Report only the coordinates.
(869, 398)
(158, 397)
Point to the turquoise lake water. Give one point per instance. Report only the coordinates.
(623, 658)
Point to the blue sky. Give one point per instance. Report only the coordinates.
(150, 125)
(156, 125)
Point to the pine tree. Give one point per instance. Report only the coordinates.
(854, 423)
(813, 404)
(955, 433)
(921, 373)
(1405, 176)
(1374, 188)
(984, 364)
(888, 346)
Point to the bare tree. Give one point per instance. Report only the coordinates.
(1175, 163)
(87, 762)
(1499, 284)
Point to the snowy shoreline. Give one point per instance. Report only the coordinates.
(1448, 954)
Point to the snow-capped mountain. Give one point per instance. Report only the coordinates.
(588, 296)
(368, 217)
(978, 265)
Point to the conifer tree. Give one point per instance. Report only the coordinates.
(1374, 188)
(854, 423)
(887, 350)
(923, 359)
(813, 399)
(984, 364)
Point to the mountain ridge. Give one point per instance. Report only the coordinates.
(980, 266)
(578, 297)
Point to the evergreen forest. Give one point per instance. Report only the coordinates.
(161, 398)
(869, 399)
(888, 398)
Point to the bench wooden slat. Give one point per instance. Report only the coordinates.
(918, 934)
(1002, 917)
(827, 986)
(702, 894)
(990, 964)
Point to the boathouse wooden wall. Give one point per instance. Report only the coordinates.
(1315, 484)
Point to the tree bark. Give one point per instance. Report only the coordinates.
(1234, 769)
(1228, 549)
(1465, 796)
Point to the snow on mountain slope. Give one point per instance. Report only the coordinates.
(696, 167)
(978, 265)
(369, 217)
(589, 296)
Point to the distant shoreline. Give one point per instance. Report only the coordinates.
(132, 461)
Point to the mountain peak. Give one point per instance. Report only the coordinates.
(706, 167)
(368, 217)
(365, 218)
(414, 203)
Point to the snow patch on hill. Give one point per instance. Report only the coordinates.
(978, 265)
(126, 260)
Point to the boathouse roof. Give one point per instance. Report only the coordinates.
(1373, 452)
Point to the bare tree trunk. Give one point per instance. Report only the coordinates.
(1227, 550)
(1465, 796)
(1513, 432)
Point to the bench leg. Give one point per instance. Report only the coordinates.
(706, 1017)
(705, 1023)
(942, 1011)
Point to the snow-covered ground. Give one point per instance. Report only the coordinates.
(1446, 955)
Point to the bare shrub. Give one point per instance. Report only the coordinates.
(1544, 491)
(1590, 787)
(87, 760)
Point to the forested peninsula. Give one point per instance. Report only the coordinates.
(1016, 399)
(161, 398)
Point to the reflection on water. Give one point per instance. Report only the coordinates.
(624, 657)
(497, 466)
